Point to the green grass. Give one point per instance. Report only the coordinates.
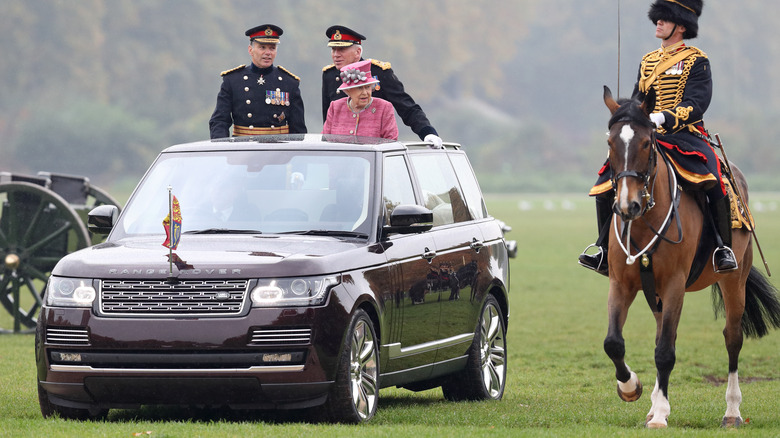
(560, 381)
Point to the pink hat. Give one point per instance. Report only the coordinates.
(357, 74)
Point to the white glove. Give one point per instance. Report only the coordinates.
(434, 140)
(658, 119)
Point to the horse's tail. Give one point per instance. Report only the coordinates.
(762, 306)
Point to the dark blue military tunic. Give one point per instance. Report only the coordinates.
(389, 88)
(258, 101)
(683, 94)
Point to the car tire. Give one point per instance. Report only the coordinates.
(355, 393)
(49, 410)
(484, 376)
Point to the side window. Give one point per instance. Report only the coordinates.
(396, 184)
(468, 183)
(441, 192)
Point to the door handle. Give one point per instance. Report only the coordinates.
(428, 254)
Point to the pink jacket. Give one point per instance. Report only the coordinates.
(376, 120)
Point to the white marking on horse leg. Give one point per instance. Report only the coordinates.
(626, 134)
(631, 384)
(660, 409)
(653, 397)
(733, 397)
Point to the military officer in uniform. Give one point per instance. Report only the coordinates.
(681, 78)
(259, 98)
(347, 48)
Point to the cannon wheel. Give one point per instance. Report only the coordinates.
(37, 228)
(100, 197)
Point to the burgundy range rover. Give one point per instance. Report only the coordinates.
(308, 271)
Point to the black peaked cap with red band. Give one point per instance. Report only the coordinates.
(342, 36)
(265, 33)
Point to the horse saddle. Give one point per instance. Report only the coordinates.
(740, 217)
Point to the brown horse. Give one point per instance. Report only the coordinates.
(666, 239)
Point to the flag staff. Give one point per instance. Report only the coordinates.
(171, 278)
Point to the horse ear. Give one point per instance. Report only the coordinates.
(648, 102)
(609, 101)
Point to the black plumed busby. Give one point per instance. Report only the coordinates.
(683, 12)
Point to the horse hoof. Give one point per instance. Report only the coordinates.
(729, 422)
(630, 396)
(656, 425)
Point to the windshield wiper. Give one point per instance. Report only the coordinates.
(222, 231)
(335, 233)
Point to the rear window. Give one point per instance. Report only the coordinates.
(468, 182)
(440, 188)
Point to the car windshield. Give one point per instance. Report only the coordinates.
(265, 191)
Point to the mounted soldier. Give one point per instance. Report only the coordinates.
(681, 77)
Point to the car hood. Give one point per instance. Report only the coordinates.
(221, 256)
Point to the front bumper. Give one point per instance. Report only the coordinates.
(268, 358)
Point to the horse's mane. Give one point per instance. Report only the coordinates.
(630, 111)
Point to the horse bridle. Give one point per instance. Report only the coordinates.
(647, 194)
(650, 203)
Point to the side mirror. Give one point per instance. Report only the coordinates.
(102, 218)
(409, 219)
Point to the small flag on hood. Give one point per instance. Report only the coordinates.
(172, 225)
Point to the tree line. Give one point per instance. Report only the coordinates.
(98, 87)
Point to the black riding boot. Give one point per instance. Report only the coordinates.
(598, 261)
(723, 258)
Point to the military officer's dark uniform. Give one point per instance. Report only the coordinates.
(389, 88)
(256, 100)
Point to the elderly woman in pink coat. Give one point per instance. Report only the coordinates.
(359, 113)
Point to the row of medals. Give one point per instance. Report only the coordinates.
(276, 97)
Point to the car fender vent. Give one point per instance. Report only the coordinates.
(67, 336)
(287, 336)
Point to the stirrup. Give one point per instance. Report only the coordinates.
(595, 262)
(729, 258)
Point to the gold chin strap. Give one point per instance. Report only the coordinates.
(681, 5)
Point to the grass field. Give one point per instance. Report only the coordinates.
(560, 381)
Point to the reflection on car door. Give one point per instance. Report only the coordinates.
(459, 259)
(411, 256)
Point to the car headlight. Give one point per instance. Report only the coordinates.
(285, 292)
(70, 292)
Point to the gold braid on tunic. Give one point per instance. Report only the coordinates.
(660, 69)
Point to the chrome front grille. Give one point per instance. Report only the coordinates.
(295, 336)
(185, 298)
(69, 336)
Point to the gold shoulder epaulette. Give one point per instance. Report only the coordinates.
(697, 51)
(381, 64)
(233, 69)
(328, 67)
(289, 73)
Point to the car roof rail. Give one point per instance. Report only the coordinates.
(421, 145)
